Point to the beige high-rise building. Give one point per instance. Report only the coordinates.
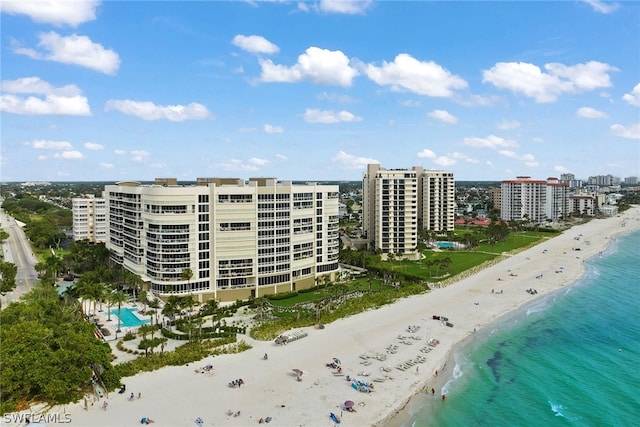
(239, 239)
(399, 202)
(89, 219)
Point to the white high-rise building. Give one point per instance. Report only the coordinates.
(535, 200)
(89, 219)
(238, 239)
(397, 203)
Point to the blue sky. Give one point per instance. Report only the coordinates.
(117, 90)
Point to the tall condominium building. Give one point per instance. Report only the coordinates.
(570, 179)
(238, 239)
(557, 199)
(89, 219)
(535, 200)
(604, 180)
(399, 202)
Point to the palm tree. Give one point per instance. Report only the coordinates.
(142, 296)
(187, 274)
(155, 304)
(170, 307)
(118, 297)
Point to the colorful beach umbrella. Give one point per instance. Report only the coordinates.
(349, 404)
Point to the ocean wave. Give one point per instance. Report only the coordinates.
(542, 306)
(458, 372)
(556, 408)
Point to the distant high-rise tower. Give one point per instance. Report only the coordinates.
(535, 200)
(89, 219)
(399, 202)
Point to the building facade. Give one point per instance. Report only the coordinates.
(535, 200)
(397, 203)
(226, 239)
(89, 219)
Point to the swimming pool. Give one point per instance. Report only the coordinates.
(127, 318)
(446, 245)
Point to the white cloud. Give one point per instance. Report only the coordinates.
(443, 116)
(410, 103)
(561, 169)
(336, 98)
(65, 100)
(350, 7)
(462, 156)
(324, 116)
(282, 157)
(255, 44)
(149, 111)
(69, 155)
(508, 125)
(236, 165)
(426, 153)
(273, 129)
(139, 155)
(633, 97)
(41, 144)
(50, 105)
(491, 141)
(630, 132)
(319, 66)
(56, 12)
(591, 113)
(444, 161)
(42, 157)
(602, 7)
(438, 160)
(423, 78)
(93, 146)
(528, 159)
(259, 162)
(531, 81)
(38, 86)
(73, 49)
(349, 161)
(107, 165)
(119, 152)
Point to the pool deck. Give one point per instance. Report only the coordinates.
(109, 327)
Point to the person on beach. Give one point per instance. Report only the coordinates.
(104, 405)
(444, 396)
(433, 392)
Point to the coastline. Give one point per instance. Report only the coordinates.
(180, 395)
(403, 416)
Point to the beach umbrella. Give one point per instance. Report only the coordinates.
(297, 371)
(349, 404)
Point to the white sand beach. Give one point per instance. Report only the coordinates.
(179, 396)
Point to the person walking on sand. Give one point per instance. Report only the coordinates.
(104, 405)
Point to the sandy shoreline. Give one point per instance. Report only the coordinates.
(178, 396)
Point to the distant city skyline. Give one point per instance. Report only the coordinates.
(316, 90)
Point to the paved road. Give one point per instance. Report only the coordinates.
(17, 250)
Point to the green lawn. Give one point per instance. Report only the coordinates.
(462, 260)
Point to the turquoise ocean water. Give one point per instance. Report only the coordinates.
(570, 359)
